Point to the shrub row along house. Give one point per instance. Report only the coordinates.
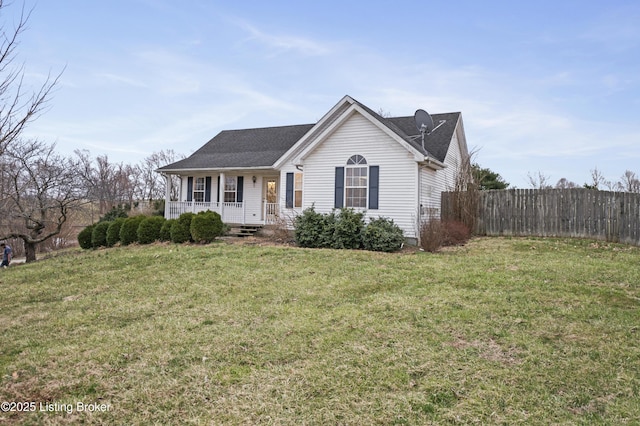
(353, 157)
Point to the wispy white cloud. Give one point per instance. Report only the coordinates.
(279, 43)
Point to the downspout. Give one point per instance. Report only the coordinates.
(419, 217)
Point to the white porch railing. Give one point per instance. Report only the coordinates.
(176, 208)
(230, 212)
(271, 213)
(233, 213)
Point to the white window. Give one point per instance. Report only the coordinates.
(230, 189)
(355, 185)
(198, 190)
(297, 190)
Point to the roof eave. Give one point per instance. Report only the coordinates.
(213, 169)
(432, 163)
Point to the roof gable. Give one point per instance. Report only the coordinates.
(401, 129)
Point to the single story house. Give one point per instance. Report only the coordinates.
(352, 157)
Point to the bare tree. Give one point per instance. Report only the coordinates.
(39, 189)
(153, 183)
(597, 180)
(110, 184)
(18, 105)
(466, 192)
(564, 183)
(628, 182)
(539, 181)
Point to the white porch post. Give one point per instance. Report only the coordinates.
(167, 196)
(221, 189)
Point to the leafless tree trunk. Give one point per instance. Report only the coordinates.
(153, 183)
(40, 188)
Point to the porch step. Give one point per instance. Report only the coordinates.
(244, 230)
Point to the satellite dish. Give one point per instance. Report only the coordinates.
(424, 122)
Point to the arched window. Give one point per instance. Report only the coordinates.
(356, 182)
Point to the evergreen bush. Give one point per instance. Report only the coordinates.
(332, 230)
(382, 234)
(313, 229)
(129, 230)
(181, 229)
(84, 237)
(206, 226)
(165, 231)
(113, 232)
(348, 228)
(99, 234)
(149, 229)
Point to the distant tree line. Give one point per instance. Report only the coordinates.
(41, 190)
(628, 182)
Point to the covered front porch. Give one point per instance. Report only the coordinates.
(240, 197)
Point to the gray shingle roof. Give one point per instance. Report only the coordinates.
(243, 148)
(437, 143)
(250, 148)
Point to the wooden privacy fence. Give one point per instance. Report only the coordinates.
(583, 213)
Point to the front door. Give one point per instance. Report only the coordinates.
(270, 190)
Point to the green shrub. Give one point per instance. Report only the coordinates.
(382, 235)
(129, 230)
(99, 234)
(332, 230)
(347, 233)
(181, 229)
(313, 229)
(113, 232)
(149, 229)
(165, 231)
(206, 226)
(158, 207)
(84, 237)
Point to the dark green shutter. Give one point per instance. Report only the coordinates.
(218, 189)
(374, 177)
(207, 189)
(190, 188)
(289, 191)
(339, 188)
(240, 189)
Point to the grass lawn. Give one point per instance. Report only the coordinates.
(501, 331)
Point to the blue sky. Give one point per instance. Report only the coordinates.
(545, 86)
